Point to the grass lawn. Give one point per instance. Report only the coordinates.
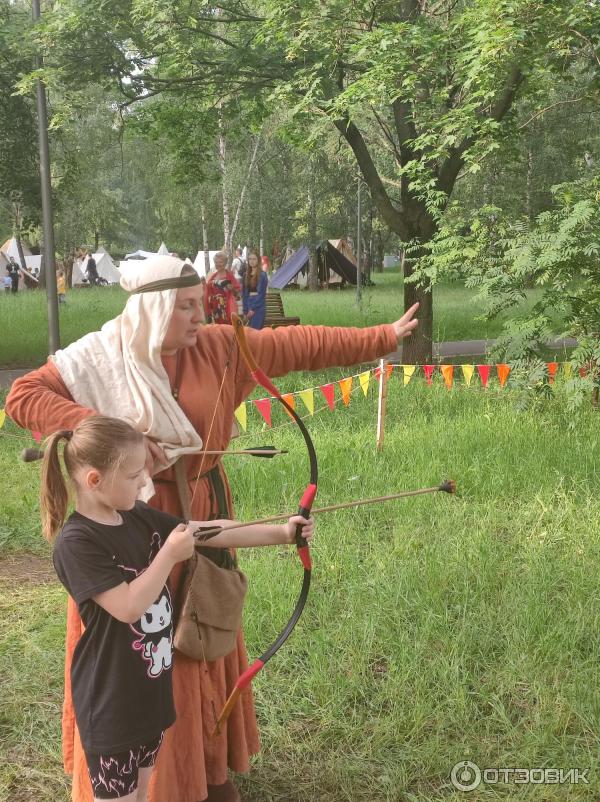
(438, 629)
(23, 321)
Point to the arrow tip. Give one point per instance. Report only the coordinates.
(449, 486)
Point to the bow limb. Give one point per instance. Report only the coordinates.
(304, 509)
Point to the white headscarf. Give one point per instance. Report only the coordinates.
(118, 370)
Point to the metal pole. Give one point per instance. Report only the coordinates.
(49, 265)
(358, 249)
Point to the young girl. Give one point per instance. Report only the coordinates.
(114, 555)
(255, 292)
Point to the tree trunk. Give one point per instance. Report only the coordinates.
(96, 241)
(69, 259)
(224, 190)
(243, 192)
(418, 348)
(313, 267)
(21, 253)
(205, 241)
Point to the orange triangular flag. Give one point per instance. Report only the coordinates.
(263, 405)
(552, 368)
(388, 370)
(502, 370)
(290, 401)
(448, 374)
(346, 389)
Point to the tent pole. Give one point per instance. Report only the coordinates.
(48, 257)
(358, 248)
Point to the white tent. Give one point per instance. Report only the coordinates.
(199, 264)
(105, 266)
(138, 255)
(163, 250)
(77, 274)
(10, 249)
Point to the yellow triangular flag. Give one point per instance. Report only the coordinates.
(568, 370)
(468, 371)
(346, 389)
(364, 381)
(308, 400)
(2, 417)
(408, 371)
(242, 416)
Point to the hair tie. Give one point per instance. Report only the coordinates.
(67, 434)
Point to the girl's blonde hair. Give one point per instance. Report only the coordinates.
(100, 442)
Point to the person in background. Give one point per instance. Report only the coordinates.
(91, 268)
(13, 269)
(61, 287)
(7, 281)
(255, 292)
(222, 292)
(239, 265)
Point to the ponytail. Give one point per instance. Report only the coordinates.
(98, 442)
(54, 495)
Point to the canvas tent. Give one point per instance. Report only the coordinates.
(199, 265)
(343, 246)
(329, 259)
(105, 266)
(163, 250)
(10, 249)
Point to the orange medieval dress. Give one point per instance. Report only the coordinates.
(190, 757)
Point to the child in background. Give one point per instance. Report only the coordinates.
(7, 281)
(114, 555)
(61, 287)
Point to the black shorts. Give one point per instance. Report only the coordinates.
(114, 776)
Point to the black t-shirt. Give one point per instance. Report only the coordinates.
(121, 673)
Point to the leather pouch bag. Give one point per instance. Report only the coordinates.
(211, 612)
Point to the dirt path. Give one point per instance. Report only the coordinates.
(20, 568)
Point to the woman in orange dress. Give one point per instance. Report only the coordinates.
(164, 354)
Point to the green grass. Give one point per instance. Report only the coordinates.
(23, 320)
(438, 629)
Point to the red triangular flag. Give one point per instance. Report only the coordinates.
(263, 405)
(484, 373)
(503, 370)
(37, 436)
(377, 373)
(428, 371)
(583, 372)
(329, 393)
(552, 368)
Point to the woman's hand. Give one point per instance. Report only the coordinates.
(154, 454)
(308, 528)
(406, 324)
(250, 314)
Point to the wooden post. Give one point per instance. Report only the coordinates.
(381, 404)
